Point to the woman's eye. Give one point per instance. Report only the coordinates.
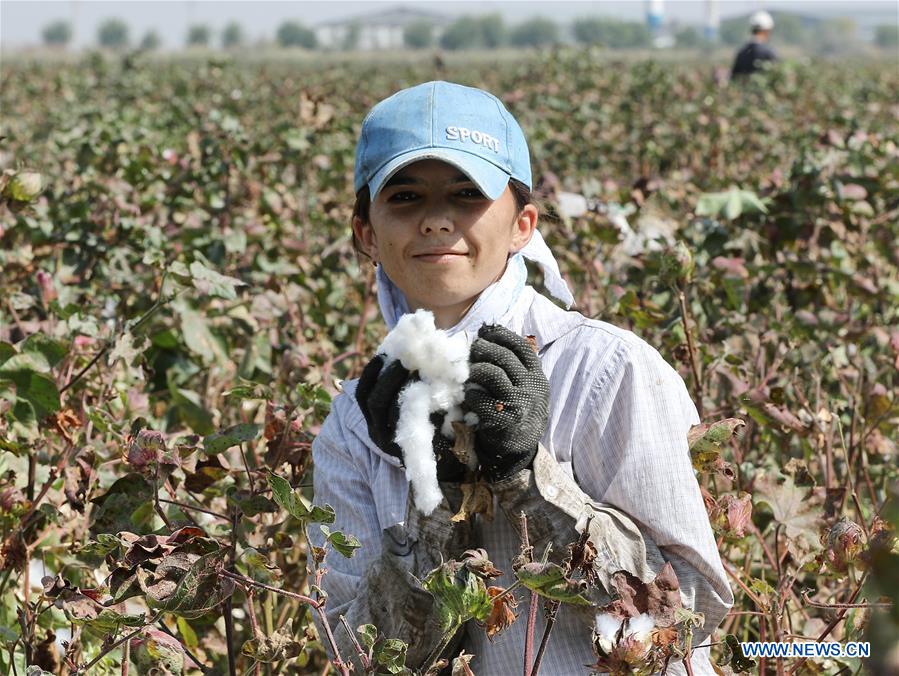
(403, 196)
(471, 193)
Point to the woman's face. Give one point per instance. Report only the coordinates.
(439, 239)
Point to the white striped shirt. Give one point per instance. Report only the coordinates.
(619, 416)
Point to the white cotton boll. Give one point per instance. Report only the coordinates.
(415, 431)
(607, 626)
(441, 361)
(640, 627)
(455, 415)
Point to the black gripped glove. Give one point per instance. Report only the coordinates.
(509, 393)
(378, 394)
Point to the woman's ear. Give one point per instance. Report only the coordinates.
(524, 226)
(365, 235)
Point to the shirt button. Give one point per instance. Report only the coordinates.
(551, 492)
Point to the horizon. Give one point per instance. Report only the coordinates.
(21, 22)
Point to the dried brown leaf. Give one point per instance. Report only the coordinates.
(501, 614)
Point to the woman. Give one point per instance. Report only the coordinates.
(592, 425)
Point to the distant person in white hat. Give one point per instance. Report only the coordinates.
(754, 53)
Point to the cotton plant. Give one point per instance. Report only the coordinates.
(625, 646)
(441, 363)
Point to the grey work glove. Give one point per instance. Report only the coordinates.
(509, 393)
(378, 394)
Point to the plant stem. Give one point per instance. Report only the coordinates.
(126, 658)
(318, 605)
(196, 509)
(229, 636)
(529, 636)
(254, 625)
(366, 664)
(685, 315)
(444, 642)
(532, 609)
(550, 623)
(110, 342)
(83, 669)
(246, 466)
(246, 580)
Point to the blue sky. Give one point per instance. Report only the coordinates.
(21, 21)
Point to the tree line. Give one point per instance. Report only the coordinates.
(491, 32)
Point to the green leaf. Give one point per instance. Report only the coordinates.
(109, 621)
(710, 204)
(706, 441)
(296, 505)
(237, 434)
(42, 393)
(735, 657)
(798, 509)
(249, 504)
(200, 590)
(198, 337)
(760, 586)
(751, 202)
(25, 418)
(158, 653)
(113, 510)
(127, 348)
(391, 654)
(212, 283)
(188, 634)
(143, 518)
(8, 636)
(25, 361)
(51, 349)
(281, 645)
(369, 634)
(6, 351)
(345, 544)
(548, 579)
(730, 204)
(192, 411)
(734, 205)
(250, 391)
(258, 566)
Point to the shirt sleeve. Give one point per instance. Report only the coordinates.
(379, 584)
(636, 458)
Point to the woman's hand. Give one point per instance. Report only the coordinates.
(509, 393)
(378, 394)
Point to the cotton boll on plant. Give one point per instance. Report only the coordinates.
(640, 627)
(441, 362)
(607, 626)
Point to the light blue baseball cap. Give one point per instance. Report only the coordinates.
(463, 126)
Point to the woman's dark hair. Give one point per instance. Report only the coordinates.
(522, 194)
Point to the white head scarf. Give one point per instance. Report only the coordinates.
(496, 298)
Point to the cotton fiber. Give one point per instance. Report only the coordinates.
(441, 362)
(607, 626)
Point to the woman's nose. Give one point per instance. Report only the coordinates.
(436, 221)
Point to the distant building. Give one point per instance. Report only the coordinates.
(379, 30)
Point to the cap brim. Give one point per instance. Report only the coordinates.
(489, 178)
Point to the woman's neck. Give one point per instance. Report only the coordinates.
(447, 317)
